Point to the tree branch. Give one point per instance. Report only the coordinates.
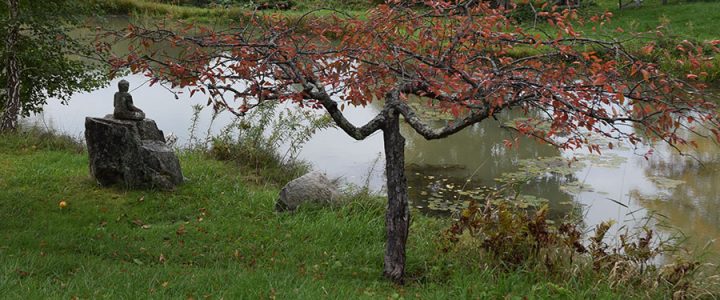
(359, 133)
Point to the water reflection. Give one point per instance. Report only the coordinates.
(618, 176)
(330, 150)
(693, 203)
(619, 185)
(473, 160)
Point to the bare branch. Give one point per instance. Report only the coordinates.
(358, 133)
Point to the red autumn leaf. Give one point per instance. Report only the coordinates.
(468, 68)
(645, 74)
(648, 49)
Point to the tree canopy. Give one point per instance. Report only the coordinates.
(467, 58)
(51, 62)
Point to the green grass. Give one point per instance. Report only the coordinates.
(688, 20)
(152, 9)
(209, 15)
(218, 236)
(677, 21)
(692, 20)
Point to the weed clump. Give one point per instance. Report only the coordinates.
(265, 143)
(33, 137)
(502, 233)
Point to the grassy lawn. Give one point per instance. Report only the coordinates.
(691, 20)
(210, 15)
(218, 236)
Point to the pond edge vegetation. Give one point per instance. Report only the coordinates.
(662, 33)
(498, 240)
(495, 238)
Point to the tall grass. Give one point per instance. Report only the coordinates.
(150, 8)
(208, 15)
(34, 138)
(217, 236)
(265, 143)
(503, 233)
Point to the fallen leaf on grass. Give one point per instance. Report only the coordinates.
(180, 230)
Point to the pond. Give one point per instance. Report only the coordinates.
(621, 184)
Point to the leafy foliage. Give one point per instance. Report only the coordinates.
(116, 243)
(53, 63)
(458, 55)
(461, 59)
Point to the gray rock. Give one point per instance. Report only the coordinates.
(132, 153)
(313, 187)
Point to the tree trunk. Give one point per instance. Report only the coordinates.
(9, 118)
(397, 218)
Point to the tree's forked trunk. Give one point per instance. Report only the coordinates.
(397, 218)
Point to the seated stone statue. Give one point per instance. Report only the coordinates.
(124, 108)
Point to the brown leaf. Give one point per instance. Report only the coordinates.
(22, 273)
(180, 230)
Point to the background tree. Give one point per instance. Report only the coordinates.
(8, 119)
(470, 60)
(42, 59)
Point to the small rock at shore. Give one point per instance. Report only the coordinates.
(313, 187)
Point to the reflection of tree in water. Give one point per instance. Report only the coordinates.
(162, 48)
(692, 203)
(479, 147)
(477, 153)
(441, 195)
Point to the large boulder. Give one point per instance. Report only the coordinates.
(313, 187)
(132, 153)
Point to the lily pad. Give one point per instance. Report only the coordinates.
(665, 183)
(575, 187)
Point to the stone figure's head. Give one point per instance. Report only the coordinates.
(123, 85)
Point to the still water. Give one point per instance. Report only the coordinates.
(681, 193)
(443, 174)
